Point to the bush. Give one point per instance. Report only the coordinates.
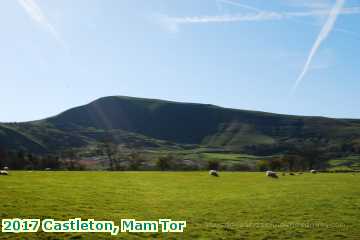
(262, 165)
(164, 162)
(213, 165)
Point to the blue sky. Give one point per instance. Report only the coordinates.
(234, 53)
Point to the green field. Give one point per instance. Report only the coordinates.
(350, 163)
(233, 206)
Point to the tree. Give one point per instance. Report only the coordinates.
(294, 162)
(32, 161)
(50, 161)
(262, 165)
(213, 165)
(3, 157)
(136, 160)
(109, 149)
(311, 154)
(17, 160)
(164, 162)
(307, 155)
(71, 159)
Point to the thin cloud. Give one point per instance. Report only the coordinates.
(37, 15)
(257, 15)
(315, 6)
(261, 16)
(325, 31)
(237, 4)
(311, 4)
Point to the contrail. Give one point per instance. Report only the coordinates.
(261, 16)
(230, 2)
(264, 16)
(37, 15)
(327, 28)
(349, 11)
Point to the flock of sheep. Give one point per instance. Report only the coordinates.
(271, 174)
(214, 173)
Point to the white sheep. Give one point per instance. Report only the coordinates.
(271, 174)
(3, 172)
(214, 173)
(313, 171)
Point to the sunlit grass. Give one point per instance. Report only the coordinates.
(233, 206)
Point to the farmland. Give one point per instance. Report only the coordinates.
(232, 206)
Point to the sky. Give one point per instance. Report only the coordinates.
(297, 57)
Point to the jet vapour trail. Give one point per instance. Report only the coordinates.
(37, 15)
(257, 16)
(230, 2)
(327, 28)
(240, 5)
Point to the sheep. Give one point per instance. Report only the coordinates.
(271, 174)
(292, 174)
(214, 173)
(313, 171)
(3, 172)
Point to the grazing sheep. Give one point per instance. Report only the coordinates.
(6, 168)
(47, 169)
(271, 174)
(313, 171)
(214, 173)
(292, 174)
(3, 172)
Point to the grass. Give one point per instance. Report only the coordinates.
(230, 157)
(233, 206)
(204, 154)
(345, 163)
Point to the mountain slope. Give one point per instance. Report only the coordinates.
(12, 139)
(182, 123)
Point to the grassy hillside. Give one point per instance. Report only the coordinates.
(12, 138)
(157, 123)
(233, 206)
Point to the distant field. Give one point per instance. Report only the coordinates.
(229, 156)
(204, 155)
(233, 206)
(346, 163)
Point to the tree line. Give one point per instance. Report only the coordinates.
(116, 158)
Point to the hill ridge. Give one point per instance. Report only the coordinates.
(181, 123)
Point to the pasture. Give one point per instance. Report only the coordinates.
(232, 206)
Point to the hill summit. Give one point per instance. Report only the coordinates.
(139, 122)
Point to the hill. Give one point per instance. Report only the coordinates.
(139, 123)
